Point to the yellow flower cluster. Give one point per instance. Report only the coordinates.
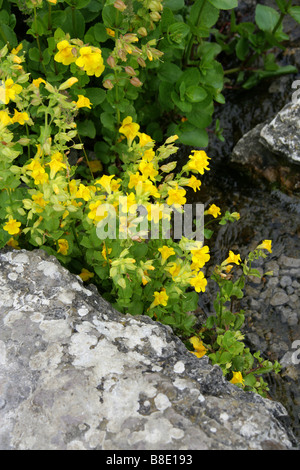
(88, 58)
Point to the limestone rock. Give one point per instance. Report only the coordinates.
(282, 134)
(76, 374)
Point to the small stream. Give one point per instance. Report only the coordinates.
(266, 213)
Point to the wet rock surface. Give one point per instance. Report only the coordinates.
(76, 374)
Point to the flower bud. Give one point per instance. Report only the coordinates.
(155, 5)
(111, 61)
(142, 31)
(130, 37)
(120, 5)
(68, 83)
(108, 84)
(135, 82)
(141, 61)
(130, 71)
(155, 16)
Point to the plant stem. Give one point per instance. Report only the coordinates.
(86, 157)
(38, 41)
(278, 24)
(191, 41)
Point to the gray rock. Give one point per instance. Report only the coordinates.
(77, 374)
(281, 135)
(279, 298)
(285, 281)
(289, 262)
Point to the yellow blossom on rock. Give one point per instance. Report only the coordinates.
(232, 258)
(160, 298)
(86, 275)
(213, 210)
(65, 53)
(166, 252)
(83, 102)
(198, 161)
(176, 196)
(237, 378)
(266, 245)
(13, 243)
(91, 61)
(199, 347)
(63, 246)
(129, 129)
(20, 118)
(12, 226)
(199, 282)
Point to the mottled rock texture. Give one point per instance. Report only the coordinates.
(76, 374)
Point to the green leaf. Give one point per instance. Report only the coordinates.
(224, 4)
(177, 32)
(95, 95)
(195, 94)
(100, 32)
(174, 5)
(86, 129)
(242, 48)
(9, 35)
(209, 16)
(192, 136)
(108, 120)
(281, 5)
(208, 233)
(225, 357)
(34, 54)
(266, 17)
(184, 106)
(200, 118)
(169, 72)
(295, 13)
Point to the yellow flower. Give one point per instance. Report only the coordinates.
(160, 298)
(129, 129)
(176, 196)
(93, 212)
(213, 210)
(174, 270)
(148, 155)
(68, 83)
(83, 192)
(39, 200)
(56, 164)
(13, 243)
(54, 2)
(198, 161)
(148, 170)
(237, 378)
(106, 251)
(5, 119)
(194, 183)
(199, 282)
(12, 226)
(38, 81)
(86, 275)
(65, 53)
(232, 258)
(166, 252)
(110, 32)
(134, 179)
(199, 347)
(266, 245)
(63, 246)
(40, 176)
(83, 102)
(16, 50)
(9, 90)
(20, 118)
(200, 257)
(91, 61)
(144, 139)
(105, 182)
